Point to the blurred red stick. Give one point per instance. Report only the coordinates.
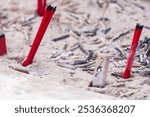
(3, 49)
(135, 41)
(41, 7)
(44, 24)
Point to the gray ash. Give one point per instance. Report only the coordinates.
(143, 52)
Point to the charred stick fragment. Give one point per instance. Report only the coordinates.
(120, 52)
(28, 21)
(61, 38)
(118, 75)
(139, 6)
(82, 49)
(100, 5)
(87, 69)
(19, 69)
(104, 19)
(67, 66)
(55, 55)
(75, 17)
(64, 62)
(146, 40)
(107, 30)
(74, 35)
(148, 62)
(90, 72)
(148, 52)
(141, 57)
(146, 27)
(121, 35)
(73, 48)
(90, 56)
(144, 52)
(77, 33)
(79, 62)
(64, 47)
(140, 44)
(110, 1)
(86, 65)
(87, 33)
(91, 33)
(116, 2)
(118, 58)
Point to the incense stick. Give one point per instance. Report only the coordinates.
(136, 38)
(41, 7)
(3, 49)
(44, 24)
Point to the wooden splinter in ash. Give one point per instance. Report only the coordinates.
(101, 71)
(3, 49)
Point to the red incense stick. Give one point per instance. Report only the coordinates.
(41, 7)
(135, 41)
(44, 24)
(3, 49)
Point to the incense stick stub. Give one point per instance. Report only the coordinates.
(101, 71)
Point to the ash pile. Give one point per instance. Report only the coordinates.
(144, 52)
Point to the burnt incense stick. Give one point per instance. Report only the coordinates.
(61, 37)
(41, 31)
(134, 44)
(41, 7)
